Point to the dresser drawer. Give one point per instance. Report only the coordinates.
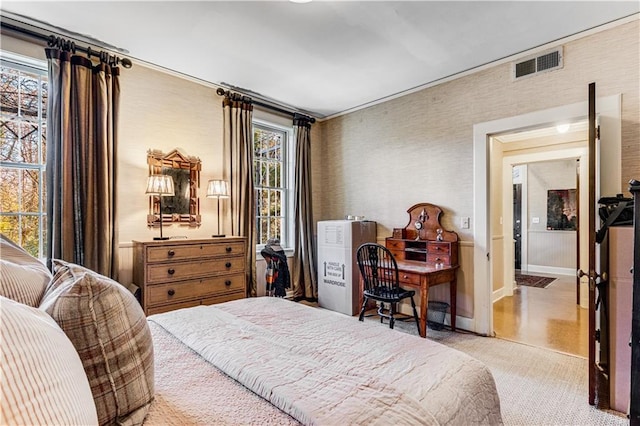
(174, 271)
(172, 307)
(223, 298)
(193, 251)
(164, 293)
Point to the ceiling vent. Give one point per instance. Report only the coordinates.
(532, 65)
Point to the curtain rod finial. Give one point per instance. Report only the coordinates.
(220, 91)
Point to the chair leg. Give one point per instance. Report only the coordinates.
(392, 311)
(382, 311)
(364, 304)
(415, 314)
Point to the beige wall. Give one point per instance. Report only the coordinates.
(381, 160)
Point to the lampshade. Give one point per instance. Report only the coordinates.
(217, 188)
(160, 185)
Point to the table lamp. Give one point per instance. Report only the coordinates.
(218, 188)
(162, 186)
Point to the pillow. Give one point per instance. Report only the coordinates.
(43, 381)
(110, 332)
(23, 278)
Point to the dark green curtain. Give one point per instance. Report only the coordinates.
(304, 257)
(82, 116)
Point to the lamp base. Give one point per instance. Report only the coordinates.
(160, 238)
(218, 236)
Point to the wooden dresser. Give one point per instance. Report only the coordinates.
(176, 274)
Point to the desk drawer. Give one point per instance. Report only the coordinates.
(193, 251)
(409, 278)
(439, 248)
(177, 291)
(395, 245)
(439, 258)
(174, 271)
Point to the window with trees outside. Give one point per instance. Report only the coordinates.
(271, 182)
(23, 108)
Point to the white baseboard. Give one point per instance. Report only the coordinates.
(497, 294)
(553, 270)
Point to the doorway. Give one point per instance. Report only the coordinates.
(540, 309)
(608, 109)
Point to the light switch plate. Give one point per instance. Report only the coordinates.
(464, 222)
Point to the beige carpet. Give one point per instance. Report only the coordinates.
(536, 386)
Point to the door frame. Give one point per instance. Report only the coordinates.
(609, 110)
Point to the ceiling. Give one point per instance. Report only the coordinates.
(323, 57)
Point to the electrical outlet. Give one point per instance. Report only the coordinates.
(535, 220)
(464, 222)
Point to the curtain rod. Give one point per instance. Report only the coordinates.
(221, 92)
(70, 45)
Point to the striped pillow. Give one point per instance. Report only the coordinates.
(43, 381)
(23, 278)
(109, 330)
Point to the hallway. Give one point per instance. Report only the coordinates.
(544, 317)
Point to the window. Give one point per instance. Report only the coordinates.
(23, 106)
(272, 179)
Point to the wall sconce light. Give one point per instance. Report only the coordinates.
(218, 188)
(162, 186)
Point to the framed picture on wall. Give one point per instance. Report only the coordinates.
(562, 210)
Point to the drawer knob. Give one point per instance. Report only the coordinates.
(228, 249)
(171, 271)
(228, 264)
(438, 259)
(171, 253)
(171, 292)
(227, 283)
(405, 276)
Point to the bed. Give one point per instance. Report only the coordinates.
(271, 361)
(80, 351)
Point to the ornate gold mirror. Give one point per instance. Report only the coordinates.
(184, 206)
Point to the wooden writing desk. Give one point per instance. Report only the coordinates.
(422, 275)
(427, 255)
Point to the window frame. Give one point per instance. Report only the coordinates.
(286, 240)
(39, 67)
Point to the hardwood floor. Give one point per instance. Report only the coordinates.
(544, 317)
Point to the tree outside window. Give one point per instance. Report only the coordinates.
(23, 106)
(270, 182)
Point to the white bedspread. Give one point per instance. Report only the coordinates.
(326, 368)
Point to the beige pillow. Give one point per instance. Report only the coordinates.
(43, 381)
(23, 278)
(109, 330)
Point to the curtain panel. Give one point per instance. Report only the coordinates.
(304, 257)
(82, 136)
(238, 142)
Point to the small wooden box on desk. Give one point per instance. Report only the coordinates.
(174, 274)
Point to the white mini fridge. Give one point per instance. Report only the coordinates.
(338, 273)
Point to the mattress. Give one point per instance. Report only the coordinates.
(271, 361)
